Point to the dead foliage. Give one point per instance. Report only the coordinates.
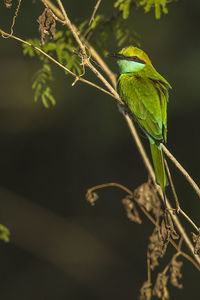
(175, 272)
(146, 291)
(146, 196)
(47, 25)
(160, 288)
(8, 3)
(196, 240)
(156, 248)
(91, 197)
(146, 199)
(131, 211)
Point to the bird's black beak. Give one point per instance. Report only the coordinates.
(116, 55)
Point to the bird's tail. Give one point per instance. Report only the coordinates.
(159, 167)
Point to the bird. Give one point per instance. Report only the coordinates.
(145, 94)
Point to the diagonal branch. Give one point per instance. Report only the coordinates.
(7, 35)
(152, 175)
(60, 18)
(183, 171)
(116, 96)
(131, 127)
(86, 58)
(112, 92)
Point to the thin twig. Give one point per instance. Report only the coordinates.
(189, 220)
(115, 95)
(60, 18)
(180, 244)
(152, 175)
(172, 187)
(94, 11)
(87, 61)
(131, 127)
(115, 184)
(5, 34)
(178, 208)
(69, 25)
(56, 10)
(112, 77)
(140, 147)
(183, 171)
(147, 214)
(15, 16)
(188, 257)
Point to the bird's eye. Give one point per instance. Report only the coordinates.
(136, 59)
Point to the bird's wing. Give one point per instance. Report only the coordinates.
(162, 86)
(143, 99)
(162, 90)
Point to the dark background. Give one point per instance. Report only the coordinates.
(61, 247)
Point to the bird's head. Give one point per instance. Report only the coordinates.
(131, 59)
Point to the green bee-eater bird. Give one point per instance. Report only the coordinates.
(145, 93)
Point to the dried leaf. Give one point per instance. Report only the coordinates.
(8, 3)
(146, 196)
(91, 197)
(164, 231)
(131, 210)
(175, 272)
(47, 25)
(155, 248)
(146, 291)
(170, 226)
(167, 231)
(160, 288)
(196, 240)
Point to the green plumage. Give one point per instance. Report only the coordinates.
(145, 92)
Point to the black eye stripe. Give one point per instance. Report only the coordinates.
(131, 58)
(134, 58)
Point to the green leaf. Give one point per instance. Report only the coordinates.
(124, 6)
(42, 90)
(96, 21)
(29, 50)
(4, 233)
(159, 5)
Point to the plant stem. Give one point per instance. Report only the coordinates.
(183, 171)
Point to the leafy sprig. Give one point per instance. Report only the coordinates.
(4, 233)
(159, 5)
(62, 48)
(41, 85)
(100, 33)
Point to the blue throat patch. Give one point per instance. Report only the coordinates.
(127, 66)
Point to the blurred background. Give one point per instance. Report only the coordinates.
(61, 247)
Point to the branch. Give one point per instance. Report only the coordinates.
(183, 171)
(94, 11)
(60, 18)
(178, 208)
(7, 35)
(87, 60)
(92, 196)
(112, 92)
(131, 127)
(152, 175)
(115, 95)
(55, 10)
